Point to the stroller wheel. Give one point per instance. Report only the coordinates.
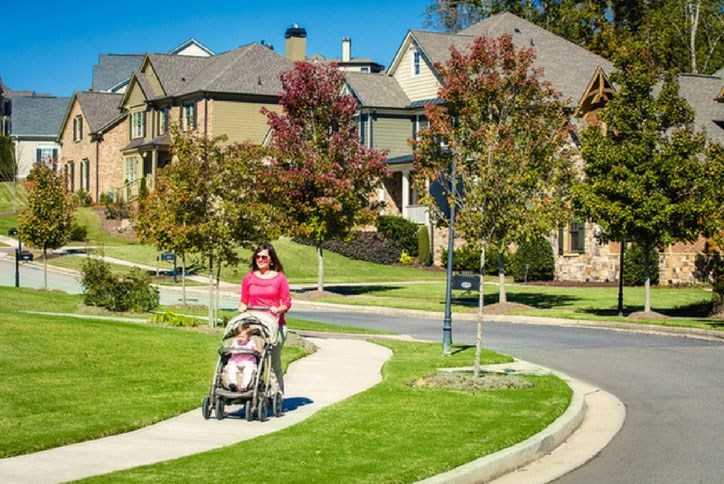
(206, 408)
(219, 409)
(262, 409)
(249, 410)
(277, 404)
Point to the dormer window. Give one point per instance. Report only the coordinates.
(416, 63)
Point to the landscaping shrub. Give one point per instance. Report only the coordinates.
(401, 230)
(173, 319)
(78, 233)
(424, 253)
(467, 258)
(366, 246)
(102, 288)
(405, 259)
(538, 256)
(118, 210)
(633, 266)
(83, 198)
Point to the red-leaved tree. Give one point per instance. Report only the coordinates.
(319, 175)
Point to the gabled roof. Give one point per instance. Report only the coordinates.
(114, 69)
(251, 69)
(38, 115)
(186, 48)
(700, 92)
(567, 66)
(376, 90)
(100, 109)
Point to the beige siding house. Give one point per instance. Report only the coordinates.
(213, 96)
(392, 109)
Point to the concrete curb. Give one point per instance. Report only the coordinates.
(530, 450)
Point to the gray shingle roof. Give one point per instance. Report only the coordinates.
(99, 108)
(112, 69)
(700, 92)
(251, 69)
(567, 66)
(377, 90)
(38, 115)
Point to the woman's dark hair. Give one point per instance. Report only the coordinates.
(274, 262)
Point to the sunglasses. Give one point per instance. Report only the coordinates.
(262, 257)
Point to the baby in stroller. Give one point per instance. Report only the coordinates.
(242, 362)
(243, 372)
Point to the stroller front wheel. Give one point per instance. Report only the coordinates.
(219, 409)
(262, 409)
(206, 408)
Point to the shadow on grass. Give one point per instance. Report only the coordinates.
(358, 290)
(536, 300)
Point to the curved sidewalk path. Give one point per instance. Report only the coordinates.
(338, 369)
(341, 367)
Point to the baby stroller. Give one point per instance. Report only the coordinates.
(263, 392)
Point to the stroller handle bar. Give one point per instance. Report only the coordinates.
(258, 308)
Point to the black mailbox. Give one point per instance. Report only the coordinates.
(13, 232)
(26, 256)
(168, 256)
(466, 282)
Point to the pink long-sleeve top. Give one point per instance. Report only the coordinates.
(262, 291)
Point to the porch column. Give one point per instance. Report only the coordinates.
(154, 166)
(405, 192)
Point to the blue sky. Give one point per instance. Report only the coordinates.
(52, 47)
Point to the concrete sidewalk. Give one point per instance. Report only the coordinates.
(338, 369)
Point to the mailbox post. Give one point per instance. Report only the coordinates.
(170, 256)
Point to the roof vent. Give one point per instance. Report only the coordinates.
(258, 80)
(532, 44)
(516, 30)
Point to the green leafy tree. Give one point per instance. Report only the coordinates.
(208, 202)
(497, 146)
(646, 179)
(320, 176)
(7, 159)
(46, 224)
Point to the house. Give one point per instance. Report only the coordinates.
(392, 105)
(34, 126)
(92, 134)
(392, 111)
(95, 127)
(213, 96)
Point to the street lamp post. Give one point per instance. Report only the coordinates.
(13, 232)
(447, 320)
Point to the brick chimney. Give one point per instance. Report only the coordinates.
(346, 49)
(296, 43)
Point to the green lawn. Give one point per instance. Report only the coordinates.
(591, 303)
(68, 379)
(422, 431)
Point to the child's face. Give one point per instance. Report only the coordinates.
(244, 334)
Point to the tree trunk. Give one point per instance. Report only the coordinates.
(501, 277)
(45, 267)
(183, 279)
(212, 322)
(216, 292)
(620, 279)
(481, 301)
(693, 11)
(320, 267)
(647, 282)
